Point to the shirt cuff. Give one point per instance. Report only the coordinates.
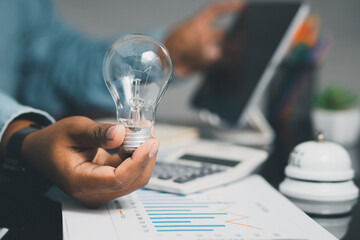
(40, 116)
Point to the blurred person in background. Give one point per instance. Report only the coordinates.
(43, 64)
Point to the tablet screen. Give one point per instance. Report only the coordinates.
(249, 45)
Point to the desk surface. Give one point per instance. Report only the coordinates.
(30, 215)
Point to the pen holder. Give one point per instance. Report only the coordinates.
(289, 101)
(288, 110)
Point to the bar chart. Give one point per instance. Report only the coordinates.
(237, 212)
(179, 213)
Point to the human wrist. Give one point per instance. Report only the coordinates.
(14, 166)
(12, 128)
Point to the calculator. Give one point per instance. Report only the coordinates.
(202, 165)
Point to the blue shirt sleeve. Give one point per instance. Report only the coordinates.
(63, 68)
(10, 109)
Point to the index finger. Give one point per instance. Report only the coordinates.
(133, 166)
(94, 178)
(222, 7)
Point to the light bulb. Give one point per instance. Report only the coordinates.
(137, 71)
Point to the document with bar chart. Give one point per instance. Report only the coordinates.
(248, 209)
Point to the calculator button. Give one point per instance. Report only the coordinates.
(197, 173)
(165, 176)
(206, 171)
(183, 179)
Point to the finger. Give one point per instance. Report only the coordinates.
(90, 178)
(142, 180)
(132, 167)
(212, 50)
(133, 175)
(87, 133)
(96, 199)
(212, 53)
(105, 135)
(222, 7)
(105, 158)
(152, 132)
(218, 35)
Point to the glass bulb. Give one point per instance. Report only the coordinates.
(137, 71)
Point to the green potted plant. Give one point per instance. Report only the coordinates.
(336, 114)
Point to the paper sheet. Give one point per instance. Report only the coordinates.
(3, 231)
(248, 209)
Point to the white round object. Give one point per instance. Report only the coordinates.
(338, 191)
(320, 161)
(324, 208)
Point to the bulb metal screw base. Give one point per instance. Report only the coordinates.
(133, 139)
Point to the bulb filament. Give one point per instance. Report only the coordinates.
(136, 104)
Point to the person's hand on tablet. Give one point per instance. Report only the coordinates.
(194, 44)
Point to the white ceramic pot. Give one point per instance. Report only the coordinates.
(341, 126)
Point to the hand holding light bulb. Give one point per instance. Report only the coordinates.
(70, 153)
(137, 71)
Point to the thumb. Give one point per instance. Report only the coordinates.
(107, 135)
